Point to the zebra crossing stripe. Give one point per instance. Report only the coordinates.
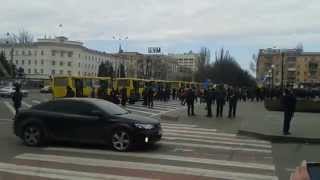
(168, 157)
(10, 107)
(26, 104)
(146, 167)
(144, 109)
(59, 173)
(189, 128)
(230, 148)
(144, 112)
(36, 101)
(202, 133)
(218, 138)
(177, 125)
(217, 142)
(155, 107)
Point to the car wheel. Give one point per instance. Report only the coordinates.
(121, 140)
(32, 135)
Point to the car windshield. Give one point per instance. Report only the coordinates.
(110, 108)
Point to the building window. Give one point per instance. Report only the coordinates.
(79, 74)
(69, 63)
(17, 52)
(35, 52)
(35, 71)
(42, 53)
(53, 63)
(61, 63)
(35, 62)
(53, 72)
(17, 62)
(22, 62)
(61, 72)
(79, 56)
(41, 61)
(41, 71)
(29, 71)
(69, 54)
(79, 64)
(62, 54)
(29, 62)
(53, 53)
(69, 73)
(29, 53)
(22, 52)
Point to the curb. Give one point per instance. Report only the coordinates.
(279, 138)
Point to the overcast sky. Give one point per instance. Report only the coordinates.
(242, 26)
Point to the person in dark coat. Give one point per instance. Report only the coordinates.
(174, 94)
(70, 92)
(289, 105)
(190, 96)
(17, 98)
(220, 98)
(124, 97)
(209, 99)
(150, 97)
(233, 100)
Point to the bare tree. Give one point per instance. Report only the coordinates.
(253, 63)
(22, 37)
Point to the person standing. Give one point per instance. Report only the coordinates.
(221, 95)
(209, 100)
(150, 95)
(289, 105)
(233, 100)
(173, 94)
(17, 98)
(124, 97)
(70, 92)
(190, 96)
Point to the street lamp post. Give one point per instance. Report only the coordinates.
(282, 71)
(11, 54)
(272, 75)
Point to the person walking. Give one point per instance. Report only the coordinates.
(289, 105)
(70, 92)
(233, 100)
(221, 95)
(150, 94)
(17, 98)
(173, 94)
(190, 96)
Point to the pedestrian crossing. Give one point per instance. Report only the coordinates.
(206, 156)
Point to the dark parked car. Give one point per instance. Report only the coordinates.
(85, 120)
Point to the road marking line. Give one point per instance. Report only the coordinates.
(217, 138)
(169, 157)
(58, 173)
(203, 133)
(146, 167)
(6, 120)
(26, 104)
(36, 101)
(13, 111)
(169, 111)
(144, 109)
(217, 142)
(154, 107)
(133, 110)
(189, 128)
(215, 147)
(178, 125)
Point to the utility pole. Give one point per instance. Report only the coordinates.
(282, 71)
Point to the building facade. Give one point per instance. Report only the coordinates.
(58, 56)
(187, 60)
(299, 68)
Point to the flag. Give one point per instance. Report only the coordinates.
(60, 25)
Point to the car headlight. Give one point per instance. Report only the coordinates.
(143, 126)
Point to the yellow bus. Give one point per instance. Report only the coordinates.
(82, 86)
(133, 86)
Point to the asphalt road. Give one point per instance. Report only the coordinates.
(187, 151)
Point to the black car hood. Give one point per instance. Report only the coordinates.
(140, 119)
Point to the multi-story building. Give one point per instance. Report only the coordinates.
(187, 60)
(58, 56)
(299, 68)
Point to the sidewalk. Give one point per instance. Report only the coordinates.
(254, 120)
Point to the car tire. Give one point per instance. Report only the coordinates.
(33, 135)
(121, 140)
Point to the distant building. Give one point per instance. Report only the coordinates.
(300, 68)
(58, 56)
(187, 60)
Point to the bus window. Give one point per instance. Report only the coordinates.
(62, 82)
(95, 83)
(104, 84)
(123, 83)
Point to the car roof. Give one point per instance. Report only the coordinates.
(89, 100)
